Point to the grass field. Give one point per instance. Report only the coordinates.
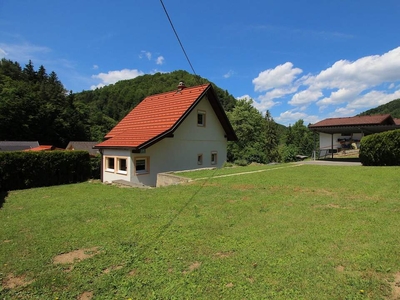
(285, 232)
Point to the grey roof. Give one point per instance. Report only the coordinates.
(84, 146)
(17, 145)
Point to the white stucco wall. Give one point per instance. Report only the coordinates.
(111, 176)
(181, 151)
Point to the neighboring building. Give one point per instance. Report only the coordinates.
(180, 130)
(44, 148)
(17, 145)
(83, 146)
(341, 133)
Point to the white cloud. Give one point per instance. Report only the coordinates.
(160, 60)
(344, 112)
(360, 84)
(95, 67)
(229, 74)
(264, 105)
(305, 97)
(247, 97)
(3, 53)
(22, 52)
(145, 54)
(282, 75)
(291, 117)
(114, 76)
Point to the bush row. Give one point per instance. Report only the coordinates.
(22, 170)
(381, 149)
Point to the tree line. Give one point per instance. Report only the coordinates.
(34, 105)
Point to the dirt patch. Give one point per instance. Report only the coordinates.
(76, 255)
(250, 279)
(192, 267)
(223, 254)
(396, 287)
(12, 282)
(243, 187)
(330, 205)
(112, 268)
(133, 272)
(339, 268)
(229, 285)
(85, 296)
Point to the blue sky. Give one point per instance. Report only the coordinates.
(299, 59)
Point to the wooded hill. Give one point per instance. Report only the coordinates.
(393, 108)
(117, 100)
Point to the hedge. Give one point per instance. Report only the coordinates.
(23, 170)
(381, 149)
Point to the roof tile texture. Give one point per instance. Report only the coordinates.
(152, 117)
(358, 120)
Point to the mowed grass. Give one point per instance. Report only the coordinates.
(289, 232)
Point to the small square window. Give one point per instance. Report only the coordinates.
(141, 165)
(213, 158)
(122, 166)
(110, 164)
(200, 159)
(201, 118)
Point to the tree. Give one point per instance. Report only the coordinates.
(271, 138)
(250, 129)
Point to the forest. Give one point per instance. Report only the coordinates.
(34, 105)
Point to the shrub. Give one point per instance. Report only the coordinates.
(22, 170)
(241, 162)
(381, 149)
(95, 165)
(288, 153)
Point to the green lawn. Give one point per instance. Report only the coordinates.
(304, 232)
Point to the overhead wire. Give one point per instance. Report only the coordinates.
(176, 34)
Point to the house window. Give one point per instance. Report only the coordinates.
(213, 158)
(142, 165)
(110, 164)
(122, 166)
(200, 159)
(201, 118)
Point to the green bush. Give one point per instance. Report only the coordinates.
(288, 153)
(241, 162)
(22, 170)
(95, 165)
(381, 149)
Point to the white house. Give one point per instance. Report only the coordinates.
(179, 130)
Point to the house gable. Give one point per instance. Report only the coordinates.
(158, 116)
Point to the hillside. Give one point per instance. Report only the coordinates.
(393, 108)
(116, 100)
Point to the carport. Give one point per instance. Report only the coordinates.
(335, 132)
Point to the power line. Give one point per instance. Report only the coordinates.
(176, 34)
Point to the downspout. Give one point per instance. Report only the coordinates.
(332, 144)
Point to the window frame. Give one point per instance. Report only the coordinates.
(203, 118)
(107, 164)
(146, 165)
(215, 155)
(119, 169)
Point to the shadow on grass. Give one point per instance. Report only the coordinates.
(3, 196)
(344, 159)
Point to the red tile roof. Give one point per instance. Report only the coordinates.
(354, 121)
(158, 115)
(397, 121)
